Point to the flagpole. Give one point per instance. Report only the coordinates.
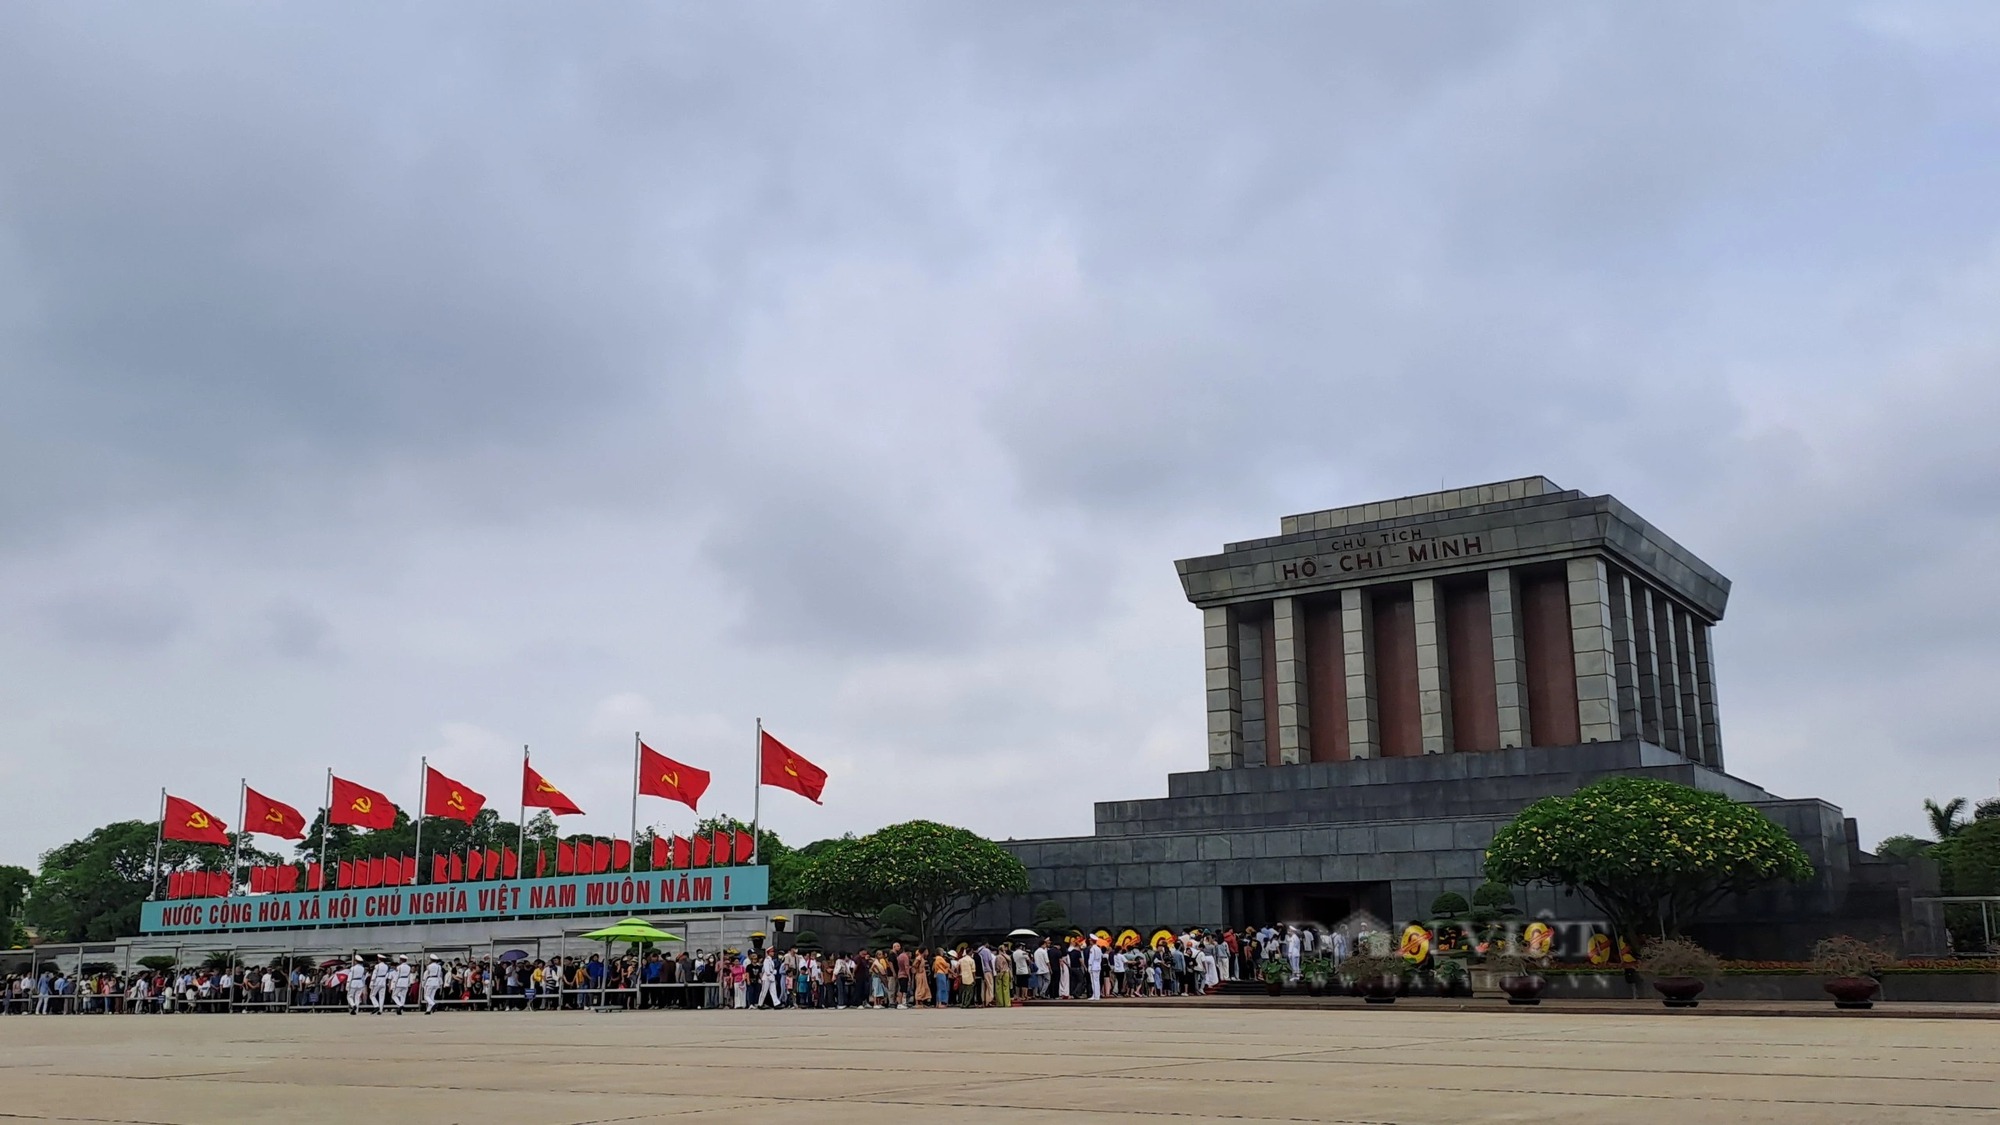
(757, 788)
(325, 823)
(521, 841)
(423, 803)
(159, 836)
(632, 860)
(242, 814)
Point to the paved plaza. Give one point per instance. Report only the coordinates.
(1111, 1063)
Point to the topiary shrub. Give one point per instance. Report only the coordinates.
(1450, 904)
(1679, 957)
(894, 924)
(1364, 968)
(1844, 956)
(1051, 918)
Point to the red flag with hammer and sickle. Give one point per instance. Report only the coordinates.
(661, 776)
(271, 818)
(447, 798)
(786, 770)
(537, 793)
(188, 822)
(360, 806)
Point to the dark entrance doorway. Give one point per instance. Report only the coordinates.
(1325, 904)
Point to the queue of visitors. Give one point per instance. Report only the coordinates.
(983, 974)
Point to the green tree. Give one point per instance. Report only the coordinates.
(939, 873)
(1904, 847)
(1651, 855)
(1946, 819)
(91, 889)
(1969, 864)
(14, 884)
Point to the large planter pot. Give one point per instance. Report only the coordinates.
(1679, 992)
(1273, 987)
(1315, 987)
(1523, 989)
(1382, 990)
(1853, 993)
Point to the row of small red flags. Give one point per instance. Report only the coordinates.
(585, 858)
(197, 884)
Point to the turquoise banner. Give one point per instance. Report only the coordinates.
(647, 892)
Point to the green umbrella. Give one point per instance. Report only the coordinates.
(631, 929)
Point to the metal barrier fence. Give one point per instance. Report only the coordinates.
(299, 974)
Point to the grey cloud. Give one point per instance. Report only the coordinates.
(296, 632)
(925, 336)
(847, 574)
(116, 619)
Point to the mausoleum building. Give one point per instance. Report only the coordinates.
(1387, 684)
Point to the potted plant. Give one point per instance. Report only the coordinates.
(1317, 970)
(1518, 978)
(1273, 972)
(1853, 967)
(1680, 970)
(1453, 977)
(1375, 975)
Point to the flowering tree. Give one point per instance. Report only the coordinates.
(937, 872)
(1651, 855)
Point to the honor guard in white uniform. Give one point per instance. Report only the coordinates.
(433, 980)
(357, 984)
(399, 983)
(378, 984)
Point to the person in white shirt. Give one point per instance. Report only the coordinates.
(433, 980)
(1041, 975)
(400, 983)
(1292, 949)
(1096, 965)
(378, 984)
(357, 986)
(768, 994)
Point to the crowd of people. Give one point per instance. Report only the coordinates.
(898, 976)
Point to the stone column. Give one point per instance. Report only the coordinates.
(1684, 627)
(1433, 667)
(1670, 675)
(1225, 690)
(1288, 620)
(1645, 651)
(1510, 658)
(1624, 645)
(1357, 636)
(1704, 671)
(1250, 673)
(1596, 658)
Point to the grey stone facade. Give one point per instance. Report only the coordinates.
(1599, 629)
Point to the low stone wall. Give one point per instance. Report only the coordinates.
(1931, 988)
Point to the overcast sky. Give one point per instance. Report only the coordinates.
(380, 381)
